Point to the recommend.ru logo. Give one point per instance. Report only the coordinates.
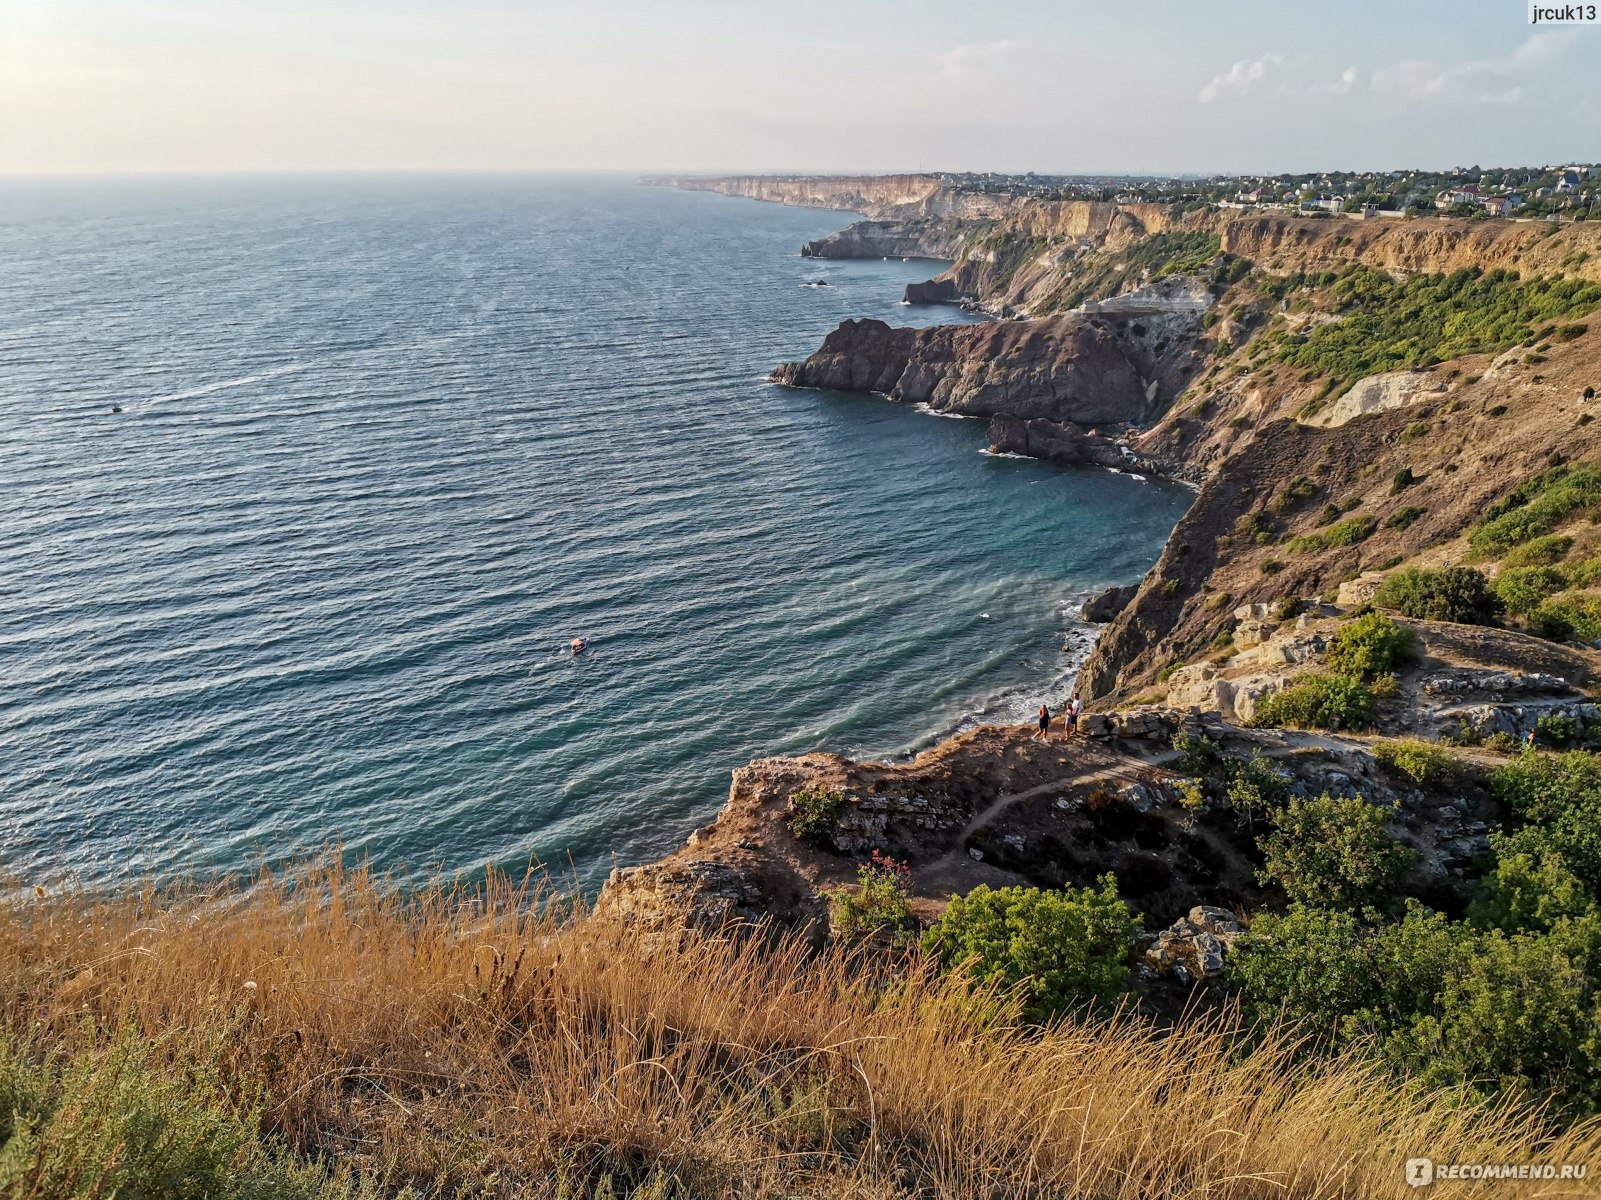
(1421, 1172)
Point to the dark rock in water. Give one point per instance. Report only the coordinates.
(116, 408)
(1066, 368)
(932, 291)
(1057, 441)
(1101, 609)
(820, 283)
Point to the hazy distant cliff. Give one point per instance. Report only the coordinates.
(871, 195)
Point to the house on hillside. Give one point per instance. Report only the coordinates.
(1497, 206)
(1467, 194)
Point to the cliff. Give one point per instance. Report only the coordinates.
(1282, 244)
(1119, 361)
(1079, 368)
(871, 195)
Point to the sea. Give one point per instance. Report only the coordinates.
(309, 481)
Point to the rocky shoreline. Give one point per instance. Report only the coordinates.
(1160, 372)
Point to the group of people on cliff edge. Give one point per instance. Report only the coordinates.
(1070, 715)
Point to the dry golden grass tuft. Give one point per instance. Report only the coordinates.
(464, 1042)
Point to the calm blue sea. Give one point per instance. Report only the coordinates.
(386, 444)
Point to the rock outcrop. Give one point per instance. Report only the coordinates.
(1076, 368)
(920, 238)
(1061, 442)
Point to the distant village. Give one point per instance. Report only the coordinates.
(1562, 192)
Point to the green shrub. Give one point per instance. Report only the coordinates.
(1584, 574)
(1522, 590)
(1488, 1012)
(1536, 506)
(1404, 518)
(1532, 887)
(1387, 323)
(1402, 480)
(110, 1123)
(1571, 617)
(1458, 594)
(880, 904)
(1063, 949)
(1336, 852)
(1422, 762)
(1561, 794)
(1270, 566)
(1297, 490)
(1371, 645)
(1254, 786)
(1555, 730)
(1342, 533)
(1540, 552)
(1198, 754)
(811, 816)
(1329, 701)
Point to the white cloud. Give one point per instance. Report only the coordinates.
(1343, 84)
(1250, 74)
(1490, 80)
(1241, 78)
(964, 61)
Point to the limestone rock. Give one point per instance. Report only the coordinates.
(1194, 947)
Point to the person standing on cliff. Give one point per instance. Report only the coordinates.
(1070, 718)
(1044, 734)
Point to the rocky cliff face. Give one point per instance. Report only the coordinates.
(1078, 368)
(1282, 244)
(917, 238)
(871, 195)
(1466, 445)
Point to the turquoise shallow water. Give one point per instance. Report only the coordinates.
(387, 443)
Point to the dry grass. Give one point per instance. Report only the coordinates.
(462, 1042)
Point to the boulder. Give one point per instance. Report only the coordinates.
(1194, 947)
(1102, 608)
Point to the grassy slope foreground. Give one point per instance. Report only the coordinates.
(229, 1041)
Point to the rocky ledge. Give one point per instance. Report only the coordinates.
(1075, 368)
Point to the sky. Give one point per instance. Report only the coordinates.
(1115, 86)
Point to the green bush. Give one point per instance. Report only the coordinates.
(1558, 731)
(1342, 533)
(880, 904)
(1387, 323)
(1537, 506)
(1405, 517)
(1336, 852)
(1254, 785)
(1297, 490)
(1458, 594)
(1486, 1011)
(111, 1123)
(1540, 552)
(1422, 762)
(1371, 645)
(1532, 888)
(1570, 617)
(1522, 590)
(1561, 794)
(811, 816)
(1328, 701)
(1063, 949)
(1583, 574)
(1402, 480)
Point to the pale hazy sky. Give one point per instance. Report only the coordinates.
(871, 85)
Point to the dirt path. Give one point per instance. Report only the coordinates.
(957, 871)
